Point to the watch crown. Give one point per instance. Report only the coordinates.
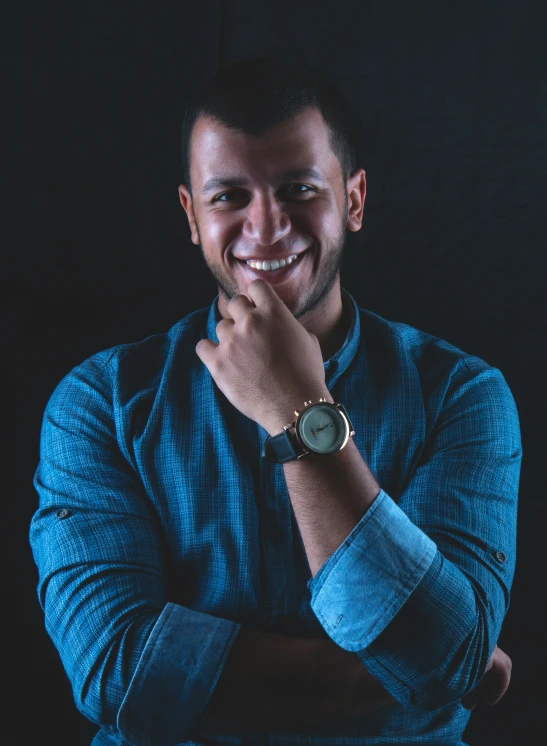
(296, 413)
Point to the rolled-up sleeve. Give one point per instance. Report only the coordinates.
(134, 660)
(421, 586)
(175, 676)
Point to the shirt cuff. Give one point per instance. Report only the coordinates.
(175, 676)
(364, 583)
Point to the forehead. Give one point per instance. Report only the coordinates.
(301, 142)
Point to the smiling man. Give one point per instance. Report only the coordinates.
(278, 198)
(287, 520)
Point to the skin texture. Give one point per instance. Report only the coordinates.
(263, 337)
(269, 217)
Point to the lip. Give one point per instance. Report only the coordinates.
(276, 276)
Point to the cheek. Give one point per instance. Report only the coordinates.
(222, 233)
(330, 225)
(324, 219)
(214, 231)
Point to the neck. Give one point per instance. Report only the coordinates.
(332, 340)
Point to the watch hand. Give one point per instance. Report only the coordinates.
(322, 428)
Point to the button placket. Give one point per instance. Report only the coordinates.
(277, 541)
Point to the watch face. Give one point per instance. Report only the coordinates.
(322, 428)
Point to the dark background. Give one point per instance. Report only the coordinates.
(452, 104)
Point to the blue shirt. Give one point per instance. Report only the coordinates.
(161, 529)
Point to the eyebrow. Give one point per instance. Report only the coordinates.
(234, 181)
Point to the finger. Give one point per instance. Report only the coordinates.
(499, 677)
(205, 350)
(497, 658)
(261, 292)
(239, 305)
(223, 327)
(495, 687)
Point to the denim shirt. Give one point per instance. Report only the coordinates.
(161, 529)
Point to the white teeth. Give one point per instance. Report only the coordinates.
(275, 264)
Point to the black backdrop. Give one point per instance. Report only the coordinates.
(452, 104)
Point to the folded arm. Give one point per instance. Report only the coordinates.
(420, 586)
(272, 682)
(136, 661)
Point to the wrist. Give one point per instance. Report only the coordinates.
(277, 421)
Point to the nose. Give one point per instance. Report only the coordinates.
(266, 221)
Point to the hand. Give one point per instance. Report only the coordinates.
(342, 681)
(494, 682)
(266, 363)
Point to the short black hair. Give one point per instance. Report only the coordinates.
(257, 93)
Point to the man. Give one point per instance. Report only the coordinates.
(210, 575)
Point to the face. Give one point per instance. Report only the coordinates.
(247, 205)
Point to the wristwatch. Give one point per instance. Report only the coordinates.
(320, 428)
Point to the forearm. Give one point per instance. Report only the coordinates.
(329, 494)
(273, 682)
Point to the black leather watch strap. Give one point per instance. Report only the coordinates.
(280, 448)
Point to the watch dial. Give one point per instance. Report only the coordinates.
(322, 428)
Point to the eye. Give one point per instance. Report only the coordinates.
(287, 186)
(304, 186)
(218, 198)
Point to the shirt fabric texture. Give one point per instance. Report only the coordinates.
(161, 529)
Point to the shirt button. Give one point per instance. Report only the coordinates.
(500, 556)
(63, 513)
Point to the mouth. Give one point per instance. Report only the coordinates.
(274, 276)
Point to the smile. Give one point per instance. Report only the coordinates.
(274, 275)
(275, 264)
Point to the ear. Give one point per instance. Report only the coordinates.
(357, 191)
(186, 201)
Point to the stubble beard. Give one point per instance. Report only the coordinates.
(316, 295)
